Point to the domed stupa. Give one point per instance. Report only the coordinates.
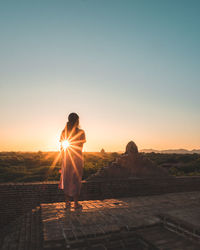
(131, 164)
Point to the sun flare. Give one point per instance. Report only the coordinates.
(65, 144)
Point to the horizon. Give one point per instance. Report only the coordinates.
(118, 151)
(130, 69)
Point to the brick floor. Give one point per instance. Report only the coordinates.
(24, 233)
(101, 220)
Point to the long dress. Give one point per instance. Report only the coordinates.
(72, 163)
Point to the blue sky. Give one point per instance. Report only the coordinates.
(130, 69)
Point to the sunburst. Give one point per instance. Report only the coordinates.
(69, 147)
(65, 144)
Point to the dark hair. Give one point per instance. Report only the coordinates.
(73, 120)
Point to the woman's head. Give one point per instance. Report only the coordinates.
(73, 121)
(73, 118)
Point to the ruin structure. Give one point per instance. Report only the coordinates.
(131, 164)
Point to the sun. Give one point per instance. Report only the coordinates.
(65, 144)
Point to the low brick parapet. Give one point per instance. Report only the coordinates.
(18, 198)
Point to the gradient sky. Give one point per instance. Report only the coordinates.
(130, 69)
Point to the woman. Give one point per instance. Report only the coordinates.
(72, 139)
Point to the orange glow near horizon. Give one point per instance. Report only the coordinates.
(111, 138)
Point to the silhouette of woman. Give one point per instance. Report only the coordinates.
(72, 139)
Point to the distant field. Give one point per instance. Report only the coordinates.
(26, 167)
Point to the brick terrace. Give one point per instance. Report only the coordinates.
(166, 221)
(169, 221)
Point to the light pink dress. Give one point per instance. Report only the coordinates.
(72, 164)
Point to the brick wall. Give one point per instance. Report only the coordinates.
(18, 198)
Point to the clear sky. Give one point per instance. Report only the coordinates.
(129, 68)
